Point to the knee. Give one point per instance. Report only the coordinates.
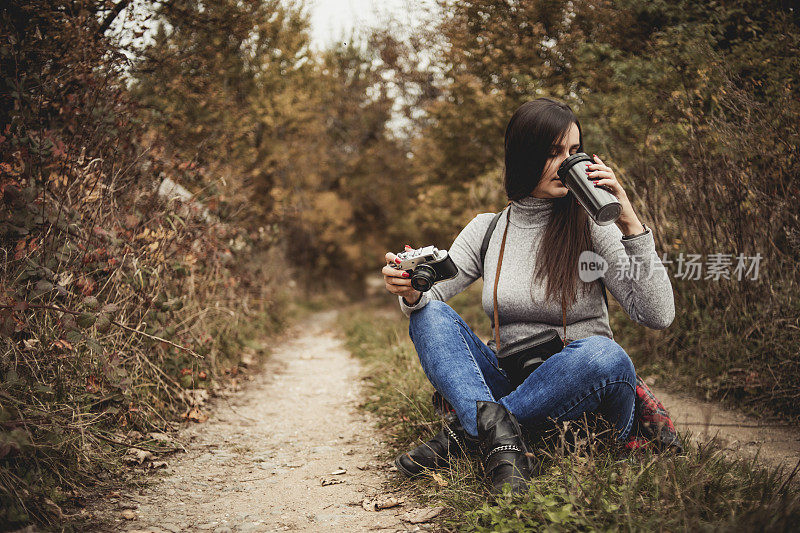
(435, 316)
(606, 358)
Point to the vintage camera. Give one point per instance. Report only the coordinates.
(426, 266)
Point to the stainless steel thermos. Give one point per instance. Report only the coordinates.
(602, 206)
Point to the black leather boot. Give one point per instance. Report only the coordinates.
(503, 448)
(435, 454)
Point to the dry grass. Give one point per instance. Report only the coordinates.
(582, 485)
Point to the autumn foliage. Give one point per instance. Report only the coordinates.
(118, 296)
(166, 171)
(695, 104)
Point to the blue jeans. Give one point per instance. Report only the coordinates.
(593, 375)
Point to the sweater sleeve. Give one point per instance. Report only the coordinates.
(465, 252)
(635, 276)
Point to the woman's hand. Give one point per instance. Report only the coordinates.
(398, 282)
(602, 175)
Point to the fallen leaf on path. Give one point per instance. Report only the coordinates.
(159, 437)
(195, 397)
(195, 415)
(135, 456)
(31, 344)
(248, 358)
(380, 502)
(419, 516)
(439, 479)
(127, 514)
(338, 472)
(128, 505)
(330, 481)
(158, 464)
(55, 509)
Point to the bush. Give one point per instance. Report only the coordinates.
(115, 297)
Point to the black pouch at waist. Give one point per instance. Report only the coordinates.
(520, 358)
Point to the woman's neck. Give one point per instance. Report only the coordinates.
(532, 212)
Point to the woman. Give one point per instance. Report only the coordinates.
(546, 231)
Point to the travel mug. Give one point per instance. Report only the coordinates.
(601, 204)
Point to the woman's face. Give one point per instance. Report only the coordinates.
(550, 186)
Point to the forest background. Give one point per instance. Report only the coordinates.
(119, 301)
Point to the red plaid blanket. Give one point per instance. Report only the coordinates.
(652, 426)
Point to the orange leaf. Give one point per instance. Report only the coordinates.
(61, 344)
(92, 385)
(195, 415)
(86, 284)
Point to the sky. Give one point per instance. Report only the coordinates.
(331, 20)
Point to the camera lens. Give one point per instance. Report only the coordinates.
(423, 278)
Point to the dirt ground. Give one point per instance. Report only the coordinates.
(775, 444)
(292, 451)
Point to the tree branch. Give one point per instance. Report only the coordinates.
(112, 16)
(123, 326)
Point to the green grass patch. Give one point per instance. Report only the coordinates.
(582, 487)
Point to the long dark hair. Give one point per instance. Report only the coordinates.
(534, 128)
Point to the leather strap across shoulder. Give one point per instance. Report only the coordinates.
(487, 237)
(497, 281)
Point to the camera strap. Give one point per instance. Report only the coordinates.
(497, 280)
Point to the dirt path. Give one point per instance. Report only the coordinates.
(777, 445)
(294, 452)
(260, 462)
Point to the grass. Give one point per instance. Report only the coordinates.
(743, 358)
(73, 448)
(581, 487)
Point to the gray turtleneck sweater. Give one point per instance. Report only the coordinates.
(635, 277)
